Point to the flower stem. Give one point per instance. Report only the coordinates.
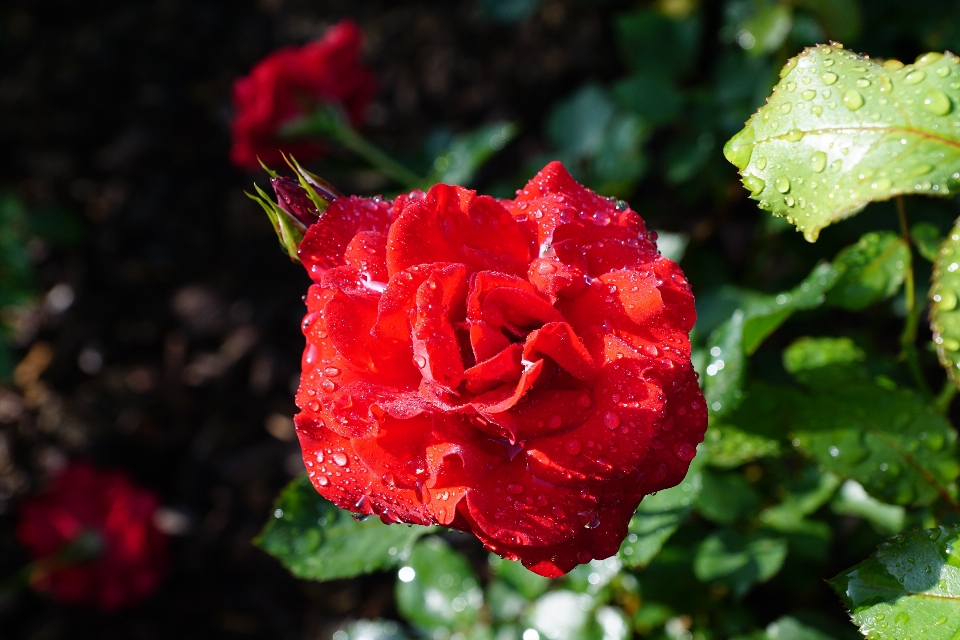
(945, 397)
(908, 337)
(329, 122)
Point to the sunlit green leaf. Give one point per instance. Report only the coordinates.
(594, 575)
(316, 540)
(874, 269)
(853, 500)
(437, 589)
(842, 130)
(658, 516)
(944, 314)
(889, 440)
(739, 561)
(909, 588)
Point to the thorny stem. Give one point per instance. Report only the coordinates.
(908, 338)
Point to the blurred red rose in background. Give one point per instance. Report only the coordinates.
(129, 554)
(291, 82)
(518, 369)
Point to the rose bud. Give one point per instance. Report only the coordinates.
(293, 82)
(517, 369)
(93, 537)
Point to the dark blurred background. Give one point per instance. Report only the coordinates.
(157, 326)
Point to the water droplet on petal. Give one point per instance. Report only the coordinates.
(611, 420)
(915, 77)
(937, 102)
(685, 451)
(554, 422)
(828, 78)
(340, 459)
(782, 184)
(514, 488)
(573, 446)
(852, 99)
(818, 161)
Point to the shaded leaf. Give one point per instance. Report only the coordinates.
(726, 497)
(927, 238)
(652, 97)
(316, 540)
(889, 440)
(841, 130)
(576, 125)
(437, 588)
(468, 152)
(748, 327)
(874, 269)
(909, 588)
(823, 362)
(811, 491)
(766, 29)
(655, 44)
(658, 516)
(739, 561)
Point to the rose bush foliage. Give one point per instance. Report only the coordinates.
(290, 83)
(131, 558)
(518, 369)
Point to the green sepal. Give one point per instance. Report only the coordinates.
(289, 230)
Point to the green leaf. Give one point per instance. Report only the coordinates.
(766, 29)
(753, 430)
(526, 582)
(506, 604)
(841, 131)
(565, 614)
(658, 516)
(726, 446)
(927, 238)
(371, 630)
(576, 125)
(437, 588)
(811, 491)
(593, 576)
(874, 269)
(316, 540)
(889, 440)
(726, 497)
(853, 500)
(468, 152)
(839, 18)
(944, 314)
(748, 327)
(652, 97)
(787, 628)
(909, 588)
(739, 561)
(823, 362)
(655, 44)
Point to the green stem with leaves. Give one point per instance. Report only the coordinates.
(330, 123)
(908, 337)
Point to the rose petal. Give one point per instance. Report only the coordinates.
(453, 224)
(367, 253)
(439, 304)
(559, 341)
(325, 242)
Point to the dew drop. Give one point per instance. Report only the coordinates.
(927, 59)
(863, 83)
(421, 361)
(573, 446)
(785, 107)
(554, 422)
(937, 102)
(818, 161)
(782, 184)
(828, 78)
(915, 77)
(809, 94)
(340, 459)
(852, 99)
(611, 420)
(514, 488)
(332, 371)
(322, 481)
(685, 451)
(329, 386)
(584, 400)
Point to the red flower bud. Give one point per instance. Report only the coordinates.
(518, 369)
(84, 513)
(292, 82)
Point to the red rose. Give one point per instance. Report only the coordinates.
(132, 558)
(293, 80)
(518, 369)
